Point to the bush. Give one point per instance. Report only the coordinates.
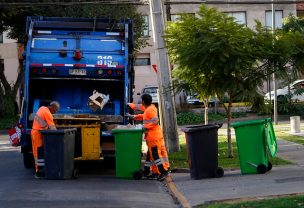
(7, 107)
(8, 122)
(186, 118)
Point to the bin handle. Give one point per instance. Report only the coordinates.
(219, 125)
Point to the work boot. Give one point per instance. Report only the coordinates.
(152, 176)
(163, 175)
(39, 175)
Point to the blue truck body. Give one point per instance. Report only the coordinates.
(66, 59)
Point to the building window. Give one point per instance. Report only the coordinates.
(175, 17)
(145, 32)
(278, 18)
(1, 37)
(240, 17)
(300, 13)
(142, 61)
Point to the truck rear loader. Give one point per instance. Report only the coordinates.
(87, 66)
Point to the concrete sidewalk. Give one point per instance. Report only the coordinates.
(281, 180)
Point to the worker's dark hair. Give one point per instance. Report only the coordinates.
(147, 99)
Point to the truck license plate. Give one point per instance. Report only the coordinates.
(78, 72)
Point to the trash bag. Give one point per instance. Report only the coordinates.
(97, 101)
(15, 135)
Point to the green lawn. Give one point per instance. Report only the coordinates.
(281, 131)
(179, 159)
(289, 137)
(282, 202)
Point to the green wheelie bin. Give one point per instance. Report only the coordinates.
(128, 153)
(255, 142)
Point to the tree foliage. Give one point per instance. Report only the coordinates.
(216, 55)
(13, 20)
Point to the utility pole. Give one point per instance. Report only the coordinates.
(168, 112)
(275, 102)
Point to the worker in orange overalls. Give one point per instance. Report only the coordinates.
(43, 120)
(157, 156)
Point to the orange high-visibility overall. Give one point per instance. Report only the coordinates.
(43, 120)
(157, 152)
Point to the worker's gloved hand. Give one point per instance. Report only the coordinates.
(130, 116)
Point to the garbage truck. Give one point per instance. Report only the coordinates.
(85, 64)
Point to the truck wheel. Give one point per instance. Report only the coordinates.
(262, 169)
(269, 167)
(28, 160)
(219, 172)
(75, 174)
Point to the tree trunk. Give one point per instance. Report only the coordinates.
(229, 118)
(8, 93)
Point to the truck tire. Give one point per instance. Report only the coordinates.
(28, 160)
(75, 174)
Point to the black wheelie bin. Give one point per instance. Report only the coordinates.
(202, 149)
(59, 151)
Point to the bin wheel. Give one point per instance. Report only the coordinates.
(219, 172)
(75, 173)
(262, 169)
(137, 175)
(269, 167)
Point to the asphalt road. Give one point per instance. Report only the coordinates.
(96, 187)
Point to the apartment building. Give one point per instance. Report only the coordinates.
(144, 72)
(243, 13)
(9, 57)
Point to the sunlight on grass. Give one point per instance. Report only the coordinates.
(290, 137)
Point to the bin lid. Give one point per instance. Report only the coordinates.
(271, 141)
(195, 128)
(250, 122)
(58, 131)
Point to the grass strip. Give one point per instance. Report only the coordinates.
(281, 202)
(180, 159)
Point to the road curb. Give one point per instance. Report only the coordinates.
(175, 193)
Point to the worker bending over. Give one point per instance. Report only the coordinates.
(157, 157)
(43, 120)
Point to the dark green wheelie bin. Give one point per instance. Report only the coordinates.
(58, 148)
(128, 153)
(202, 149)
(255, 142)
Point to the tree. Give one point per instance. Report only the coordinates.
(222, 57)
(14, 20)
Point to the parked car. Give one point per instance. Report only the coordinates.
(283, 92)
(151, 90)
(192, 99)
